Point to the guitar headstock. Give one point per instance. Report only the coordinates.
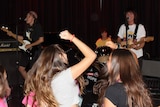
(149, 39)
(5, 29)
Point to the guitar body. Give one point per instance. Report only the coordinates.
(23, 46)
(131, 41)
(31, 51)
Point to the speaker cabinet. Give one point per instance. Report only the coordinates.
(151, 68)
(10, 61)
(151, 76)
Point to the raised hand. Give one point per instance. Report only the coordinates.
(66, 35)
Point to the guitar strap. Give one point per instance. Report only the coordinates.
(135, 32)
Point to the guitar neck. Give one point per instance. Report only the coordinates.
(5, 29)
(16, 37)
(139, 42)
(146, 39)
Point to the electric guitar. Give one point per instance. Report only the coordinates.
(23, 42)
(130, 41)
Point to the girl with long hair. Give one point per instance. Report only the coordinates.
(122, 84)
(51, 83)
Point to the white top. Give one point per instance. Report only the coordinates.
(65, 89)
(140, 33)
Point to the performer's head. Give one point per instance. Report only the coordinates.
(131, 15)
(31, 17)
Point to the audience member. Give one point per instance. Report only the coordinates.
(121, 83)
(4, 87)
(50, 82)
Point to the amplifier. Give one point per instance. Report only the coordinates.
(6, 46)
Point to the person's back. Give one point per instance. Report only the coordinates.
(116, 93)
(65, 88)
(119, 84)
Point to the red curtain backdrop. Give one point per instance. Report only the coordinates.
(85, 17)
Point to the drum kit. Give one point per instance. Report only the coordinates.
(92, 73)
(103, 53)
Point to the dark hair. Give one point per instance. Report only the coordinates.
(134, 12)
(102, 83)
(103, 29)
(124, 64)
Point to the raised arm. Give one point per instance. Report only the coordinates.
(89, 55)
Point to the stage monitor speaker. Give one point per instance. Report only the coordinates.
(151, 68)
(151, 76)
(10, 61)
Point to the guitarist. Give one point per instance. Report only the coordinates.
(131, 33)
(34, 34)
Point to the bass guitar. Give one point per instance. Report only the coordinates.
(23, 42)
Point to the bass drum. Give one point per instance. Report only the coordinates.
(103, 53)
(91, 77)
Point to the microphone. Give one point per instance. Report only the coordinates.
(127, 18)
(21, 19)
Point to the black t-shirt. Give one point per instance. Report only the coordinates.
(31, 34)
(117, 95)
(34, 32)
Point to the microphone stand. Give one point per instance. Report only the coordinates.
(17, 44)
(126, 24)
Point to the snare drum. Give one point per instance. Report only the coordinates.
(103, 53)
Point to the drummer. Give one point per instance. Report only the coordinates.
(103, 39)
(102, 50)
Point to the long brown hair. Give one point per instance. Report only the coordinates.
(102, 83)
(40, 75)
(123, 63)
